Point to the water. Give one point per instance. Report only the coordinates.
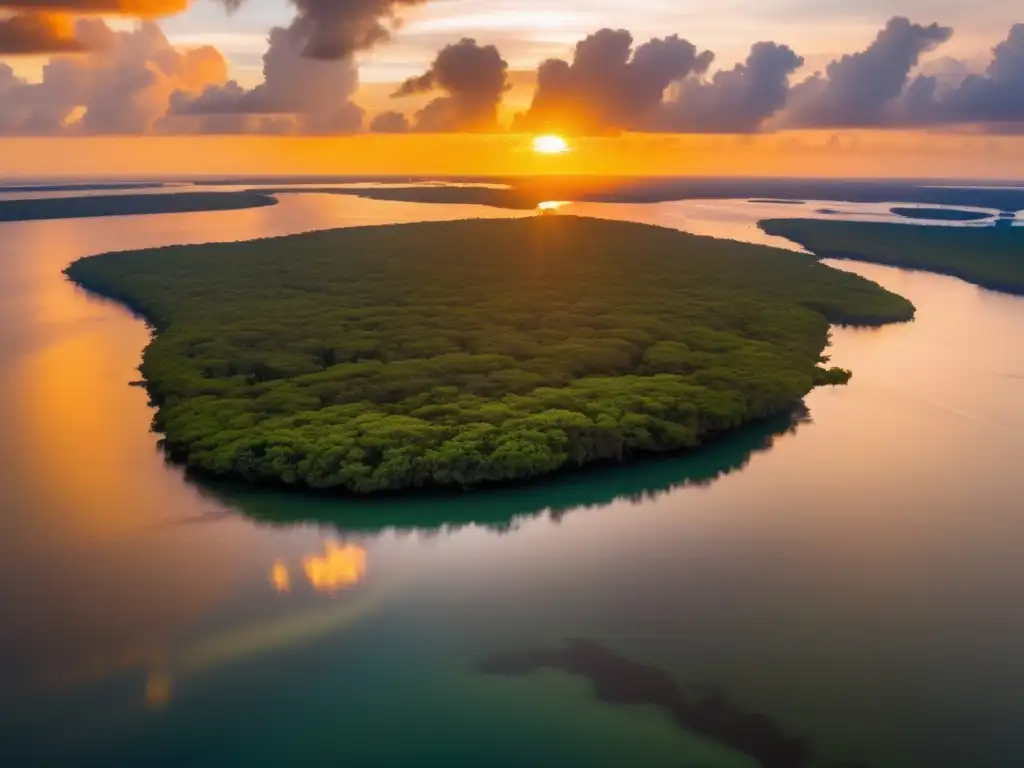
(853, 572)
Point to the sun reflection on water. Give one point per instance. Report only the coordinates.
(550, 206)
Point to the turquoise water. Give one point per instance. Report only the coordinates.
(851, 573)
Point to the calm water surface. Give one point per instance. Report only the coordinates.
(853, 573)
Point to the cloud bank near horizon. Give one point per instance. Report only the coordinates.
(330, 29)
(102, 81)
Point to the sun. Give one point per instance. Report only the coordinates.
(550, 145)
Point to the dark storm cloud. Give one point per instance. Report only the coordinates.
(474, 78)
(736, 100)
(859, 88)
(609, 86)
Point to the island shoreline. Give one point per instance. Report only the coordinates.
(180, 454)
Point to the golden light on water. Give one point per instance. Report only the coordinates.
(280, 578)
(158, 689)
(343, 565)
(550, 145)
(550, 206)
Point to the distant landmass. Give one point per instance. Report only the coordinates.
(80, 187)
(940, 214)
(518, 193)
(992, 257)
(129, 205)
(472, 352)
(528, 192)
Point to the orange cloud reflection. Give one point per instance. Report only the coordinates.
(343, 565)
(158, 689)
(280, 578)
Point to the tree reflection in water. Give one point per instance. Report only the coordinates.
(502, 508)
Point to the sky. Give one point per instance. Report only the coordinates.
(528, 31)
(820, 87)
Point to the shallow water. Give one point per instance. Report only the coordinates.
(853, 573)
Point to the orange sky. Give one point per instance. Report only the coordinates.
(812, 153)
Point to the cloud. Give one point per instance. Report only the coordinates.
(309, 75)
(315, 93)
(857, 89)
(336, 29)
(34, 33)
(474, 78)
(102, 81)
(137, 83)
(997, 96)
(609, 86)
(389, 122)
(949, 70)
(123, 86)
(47, 26)
(331, 29)
(736, 100)
(140, 8)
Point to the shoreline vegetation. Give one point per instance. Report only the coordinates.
(521, 193)
(940, 214)
(100, 206)
(990, 257)
(465, 353)
(501, 507)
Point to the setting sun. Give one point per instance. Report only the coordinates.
(550, 145)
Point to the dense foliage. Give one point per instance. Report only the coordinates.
(496, 198)
(941, 214)
(992, 257)
(475, 351)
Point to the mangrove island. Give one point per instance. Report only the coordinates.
(992, 257)
(940, 214)
(461, 353)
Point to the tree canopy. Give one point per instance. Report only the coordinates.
(461, 353)
(940, 214)
(94, 206)
(992, 257)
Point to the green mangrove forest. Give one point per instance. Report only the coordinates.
(471, 352)
(940, 214)
(97, 206)
(992, 257)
